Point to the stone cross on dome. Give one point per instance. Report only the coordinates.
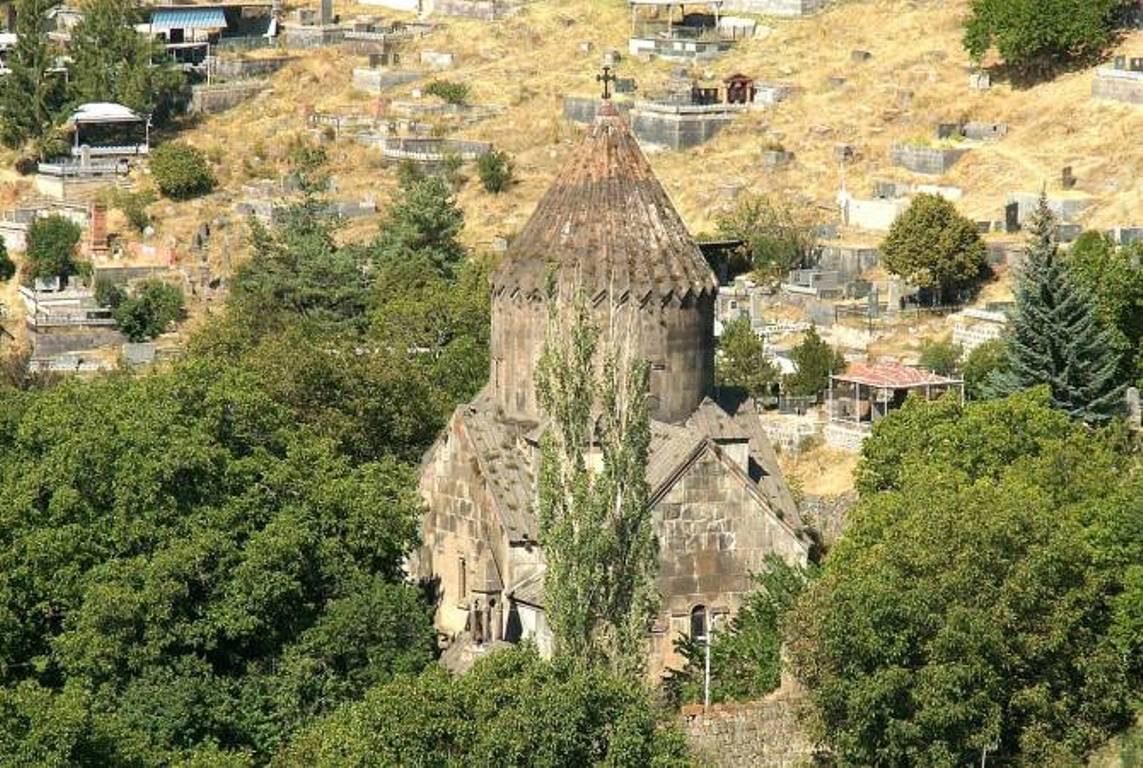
(607, 78)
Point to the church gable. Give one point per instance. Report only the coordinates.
(714, 529)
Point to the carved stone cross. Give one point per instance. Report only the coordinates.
(607, 79)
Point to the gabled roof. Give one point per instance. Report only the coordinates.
(508, 471)
(891, 376)
(606, 225)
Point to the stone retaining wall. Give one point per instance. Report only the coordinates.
(678, 127)
(1118, 85)
(209, 99)
(377, 80)
(482, 10)
(240, 69)
(761, 734)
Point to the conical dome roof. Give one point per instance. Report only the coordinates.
(606, 223)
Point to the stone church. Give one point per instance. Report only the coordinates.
(607, 228)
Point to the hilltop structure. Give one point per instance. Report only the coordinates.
(606, 229)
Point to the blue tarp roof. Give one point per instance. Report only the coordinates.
(187, 18)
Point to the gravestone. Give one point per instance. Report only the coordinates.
(326, 12)
(586, 46)
(1068, 233)
(985, 131)
(776, 158)
(1120, 62)
(1012, 217)
(844, 152)
(836, 81)
(948, 130)
(984, 227)
(980, 81)
(860, 56)
(611, 58)
(625, 85)
(1067, 178)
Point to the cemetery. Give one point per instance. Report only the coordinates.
(696, 36)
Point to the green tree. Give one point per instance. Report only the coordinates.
(941, 357)
(815, 361)
(934, 247)
(181, 171)
(114, 62)
(495, 169)
(985, 363)
(7, 266)
(1114, 277)
(1034, 37)
(741, 362)
(51, 243)
(32, 95)
(150, 311)
(975, 600)
(776, 237)
(512, 708)
(424, 220)
(595, 523)
(1056, 337)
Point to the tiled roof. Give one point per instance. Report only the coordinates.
(890, 375)
(606, 225)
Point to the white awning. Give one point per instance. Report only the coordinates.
(104, 112)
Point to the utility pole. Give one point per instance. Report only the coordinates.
(706, 674)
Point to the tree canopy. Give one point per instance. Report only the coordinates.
(776, 237)
(815, 361)
(934, 247)
(741, 362)
(984, 597)
(1034, 36)
(1056, 337)
(51, 243)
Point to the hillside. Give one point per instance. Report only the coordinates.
(917, 77)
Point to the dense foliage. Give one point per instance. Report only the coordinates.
(986, 593)
(1056, 336)
(152, 308)
(815, 361)
(50, 248)
(181, 171)
(1033, 36)
(33, 92)
(114, 62)
(776, 237)
(512, 708)
(934, 247)
(741, 362)
(1113, 276)
(985, 363)
(199, 562)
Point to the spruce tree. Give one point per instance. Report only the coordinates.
(1056, 338)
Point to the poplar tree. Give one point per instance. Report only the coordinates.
(595, 519)
(1055, 336)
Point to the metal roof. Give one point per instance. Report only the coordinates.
(891, 376)
(187, 18)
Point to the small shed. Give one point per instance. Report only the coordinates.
(739, 89)
(866, 393)
(104, 129)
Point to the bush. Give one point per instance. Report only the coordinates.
(982, 364)
(940, 357)
(452, 93)
(495, 169)
(150, 311)
(181, 171)
(7, 266)
(51, 244)
(1033, 37)
(108, 294)
(934, 247)
(815, 360)
(134, 207)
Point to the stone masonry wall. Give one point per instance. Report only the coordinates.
(760, 734)
(775, 7)
(925, 160)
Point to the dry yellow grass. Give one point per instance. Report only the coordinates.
(821, 471)
(527, 63)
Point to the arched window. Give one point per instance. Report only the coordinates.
(698, 623)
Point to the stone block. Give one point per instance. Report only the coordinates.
(860, 56)
(985, 131)
(776, 158)
(931, 161)
(1118, 85)
(980, 81)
